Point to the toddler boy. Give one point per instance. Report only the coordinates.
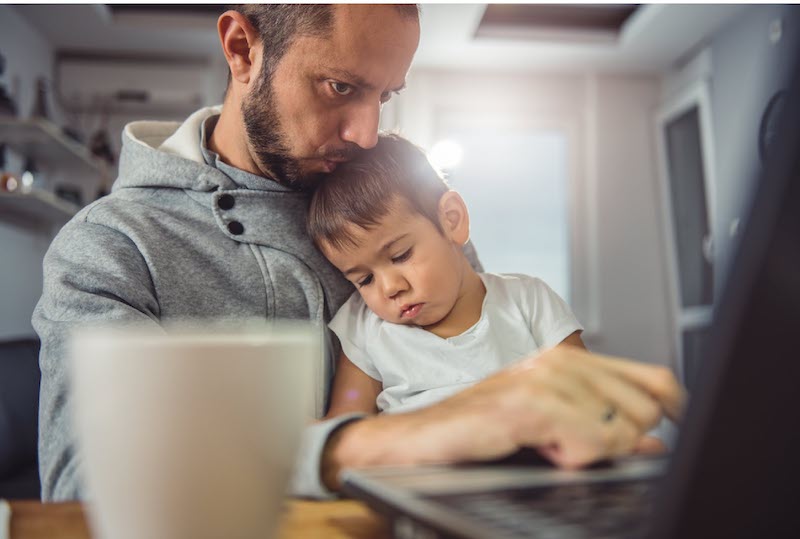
(423, 324)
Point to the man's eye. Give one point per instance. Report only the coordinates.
(365, 281)
(403, 257)
(341, 88)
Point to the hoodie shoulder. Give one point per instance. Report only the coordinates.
(168, 154)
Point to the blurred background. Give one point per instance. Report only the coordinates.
(608, 149)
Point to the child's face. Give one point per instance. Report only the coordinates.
(404, 268)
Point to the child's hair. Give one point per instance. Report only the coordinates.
(360, 191)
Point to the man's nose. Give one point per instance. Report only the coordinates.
(361, 125)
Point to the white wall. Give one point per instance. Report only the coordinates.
(22, 247)
(618, 283)
(631, 279)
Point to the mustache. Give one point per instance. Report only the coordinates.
(347, 152)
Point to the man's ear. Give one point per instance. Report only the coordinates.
(239, 42)
(454, 217)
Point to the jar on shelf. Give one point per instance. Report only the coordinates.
(8, 182)
(30, 179)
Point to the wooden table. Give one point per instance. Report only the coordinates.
(334, 520)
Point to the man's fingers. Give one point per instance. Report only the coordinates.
(629, 400)
(574, 406)
(657, 380)
(573, 390)
(650, 445)
(571, 439)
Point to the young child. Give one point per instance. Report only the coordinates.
(423, 324)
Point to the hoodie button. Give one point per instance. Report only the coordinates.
(225, 202)
(235, 228)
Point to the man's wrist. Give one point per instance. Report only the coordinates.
(372, 441)
(331, 459)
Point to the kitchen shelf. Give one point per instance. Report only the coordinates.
(41, 206)
(44, 142)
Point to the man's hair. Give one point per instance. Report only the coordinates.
(361, 191)
(279, 24)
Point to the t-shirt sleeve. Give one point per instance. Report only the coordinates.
(550, 318)
(352, 325)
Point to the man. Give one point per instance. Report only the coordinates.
(207, 220)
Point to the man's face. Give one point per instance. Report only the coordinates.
(324, 98)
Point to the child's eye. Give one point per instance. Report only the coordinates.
(365, 281)
(403, 257)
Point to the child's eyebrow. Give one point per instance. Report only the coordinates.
(388, 244)
(352, 270)
(386, 247)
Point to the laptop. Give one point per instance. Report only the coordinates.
(736, 469)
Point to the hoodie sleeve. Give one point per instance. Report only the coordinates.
(307, 478)
(92, 274)
(96, 274)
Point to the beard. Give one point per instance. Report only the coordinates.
(269, 144)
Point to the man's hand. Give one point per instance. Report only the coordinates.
(575, 407)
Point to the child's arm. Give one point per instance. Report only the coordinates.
(574, 339)
(353, 390)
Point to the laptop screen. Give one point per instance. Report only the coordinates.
(735, 471)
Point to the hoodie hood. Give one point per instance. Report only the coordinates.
(167, 154)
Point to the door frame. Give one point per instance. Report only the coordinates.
(696, 95)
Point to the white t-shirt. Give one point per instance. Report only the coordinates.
(520, 316)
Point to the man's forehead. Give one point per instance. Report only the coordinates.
(359, 13)
(363, 38)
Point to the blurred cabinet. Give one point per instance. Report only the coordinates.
(41, 206)
(44, 142)
(47, 145)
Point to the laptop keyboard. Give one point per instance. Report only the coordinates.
(596, 510)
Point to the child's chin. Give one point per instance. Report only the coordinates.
(410, 321)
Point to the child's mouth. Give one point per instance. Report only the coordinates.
(411, 311)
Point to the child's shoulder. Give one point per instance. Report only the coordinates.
(354, 313)
(512, 282)
(524, 291)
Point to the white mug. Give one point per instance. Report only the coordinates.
(190, 433)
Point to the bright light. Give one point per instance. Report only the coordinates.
(446, 154)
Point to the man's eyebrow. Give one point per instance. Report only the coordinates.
(360, 81)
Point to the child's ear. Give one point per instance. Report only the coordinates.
(454, 217)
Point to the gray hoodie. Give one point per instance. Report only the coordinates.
(179, 239)
(160, 247)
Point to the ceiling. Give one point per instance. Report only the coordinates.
(522, 21)
(639, 38)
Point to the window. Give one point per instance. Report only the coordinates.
(515, 184)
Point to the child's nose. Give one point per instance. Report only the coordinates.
(393, 284)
